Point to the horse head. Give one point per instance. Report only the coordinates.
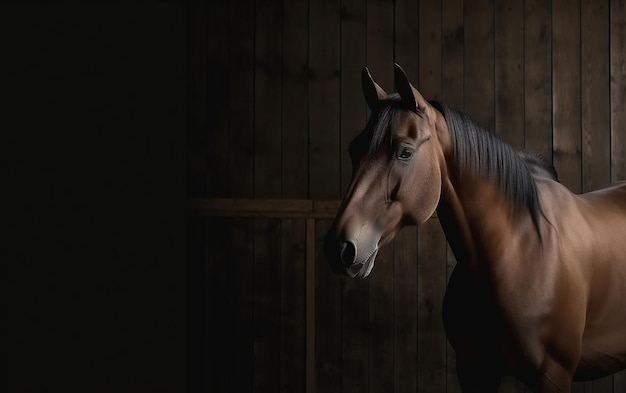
(397, 165)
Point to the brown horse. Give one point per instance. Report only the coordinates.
(539, 288)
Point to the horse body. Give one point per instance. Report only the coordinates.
(539, 289)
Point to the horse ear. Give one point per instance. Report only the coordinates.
(374, 94)
(409, 96)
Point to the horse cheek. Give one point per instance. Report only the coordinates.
(428, 194)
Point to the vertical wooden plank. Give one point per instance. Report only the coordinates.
(595, 94)
(406, 35)
(324, 181)
(380, 42)
(429, 49)
(295, 184)
(327, 320)
(267, 99)
(241, 100)
(405, 311)
(355, 293)
(566, 92)
(353, 58)
(538, 77)
(198, 354)
(324, 103)
(479, 61)
(618, 93)
(452, 53)
(310, 306)
(509, 83)
(267, 183)
(381, 319)
(293, 306)
(216, 106)
(197, 131)
(295, 99)
(267, 301)
(241, 285)
(216, 278)
(241, 185)
(431, 338)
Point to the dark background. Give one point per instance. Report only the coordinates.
(92, 268)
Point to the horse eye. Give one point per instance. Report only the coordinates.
(405, 154)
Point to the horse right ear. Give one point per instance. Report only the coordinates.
(374, 94)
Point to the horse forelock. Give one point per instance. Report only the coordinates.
(483, 152)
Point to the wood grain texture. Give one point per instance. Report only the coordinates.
(353, 59)
(538, 77)
(324, 102)
(595, 95)
(431, 286)
(509, 71)
(566, 92)
(618, 89)
(241, 135)
(479, 62)
(405, 311)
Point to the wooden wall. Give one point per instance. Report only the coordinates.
(274, 100)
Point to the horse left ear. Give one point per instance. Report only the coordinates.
(409, 96)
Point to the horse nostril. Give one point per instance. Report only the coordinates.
(348, 253)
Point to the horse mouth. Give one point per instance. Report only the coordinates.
(363, 269)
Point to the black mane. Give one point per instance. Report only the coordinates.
(480, 149)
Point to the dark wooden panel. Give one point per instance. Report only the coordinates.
(295, 99)
(380, 42)
(430, 50)
(381, 354)
(355, 335)
(197, 125)
(596, 107)
(618, 89)
(198, 356)
(405, 311)
(241, 100)
(431, 339)
(267, 301)
(406, 35)
(324, 103)
(479, 62)
(217, 276)
(241, 286)
(293, 306)
(353, 59)
(509, 77)
(538, 77)
(267, 99)
(216, 159)
(452, 53)
(566, 92)
(327, 320)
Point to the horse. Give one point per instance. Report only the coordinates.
(539, 288)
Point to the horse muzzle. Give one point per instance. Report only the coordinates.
(346, 258)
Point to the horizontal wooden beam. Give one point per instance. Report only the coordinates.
(266, 208)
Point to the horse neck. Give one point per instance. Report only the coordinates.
(476, 217)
